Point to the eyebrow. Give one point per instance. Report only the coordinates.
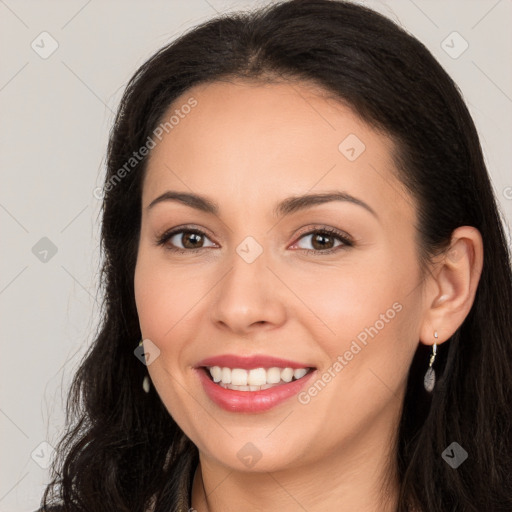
(286, 207)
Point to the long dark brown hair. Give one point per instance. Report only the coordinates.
(121, 449)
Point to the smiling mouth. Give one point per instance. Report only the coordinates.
(255, 379)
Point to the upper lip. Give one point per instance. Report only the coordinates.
(249, 362)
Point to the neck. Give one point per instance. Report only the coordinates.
(359, 476)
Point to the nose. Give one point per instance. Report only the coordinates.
(249, 297)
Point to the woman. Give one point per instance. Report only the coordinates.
(307, 284)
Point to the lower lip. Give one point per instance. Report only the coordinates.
(251, 401)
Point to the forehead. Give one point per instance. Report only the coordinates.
(267, 140)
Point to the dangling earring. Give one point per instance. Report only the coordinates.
(146, 383)
(429, 380)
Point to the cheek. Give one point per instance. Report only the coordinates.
(150, 297)
(366, 367)
(162, 306)
(367, 316)
(347, 299)
(162, 296)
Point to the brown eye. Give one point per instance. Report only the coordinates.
(184, 240)
(323, 241)
(191, 240)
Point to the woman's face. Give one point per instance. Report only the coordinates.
(259, 277)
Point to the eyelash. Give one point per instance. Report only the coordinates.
(346, 241)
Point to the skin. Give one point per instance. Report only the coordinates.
(248, 146)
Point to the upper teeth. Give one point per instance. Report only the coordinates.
(256, 376)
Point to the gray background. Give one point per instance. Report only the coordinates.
(56, 114)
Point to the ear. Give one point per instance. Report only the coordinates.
(451, 286)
